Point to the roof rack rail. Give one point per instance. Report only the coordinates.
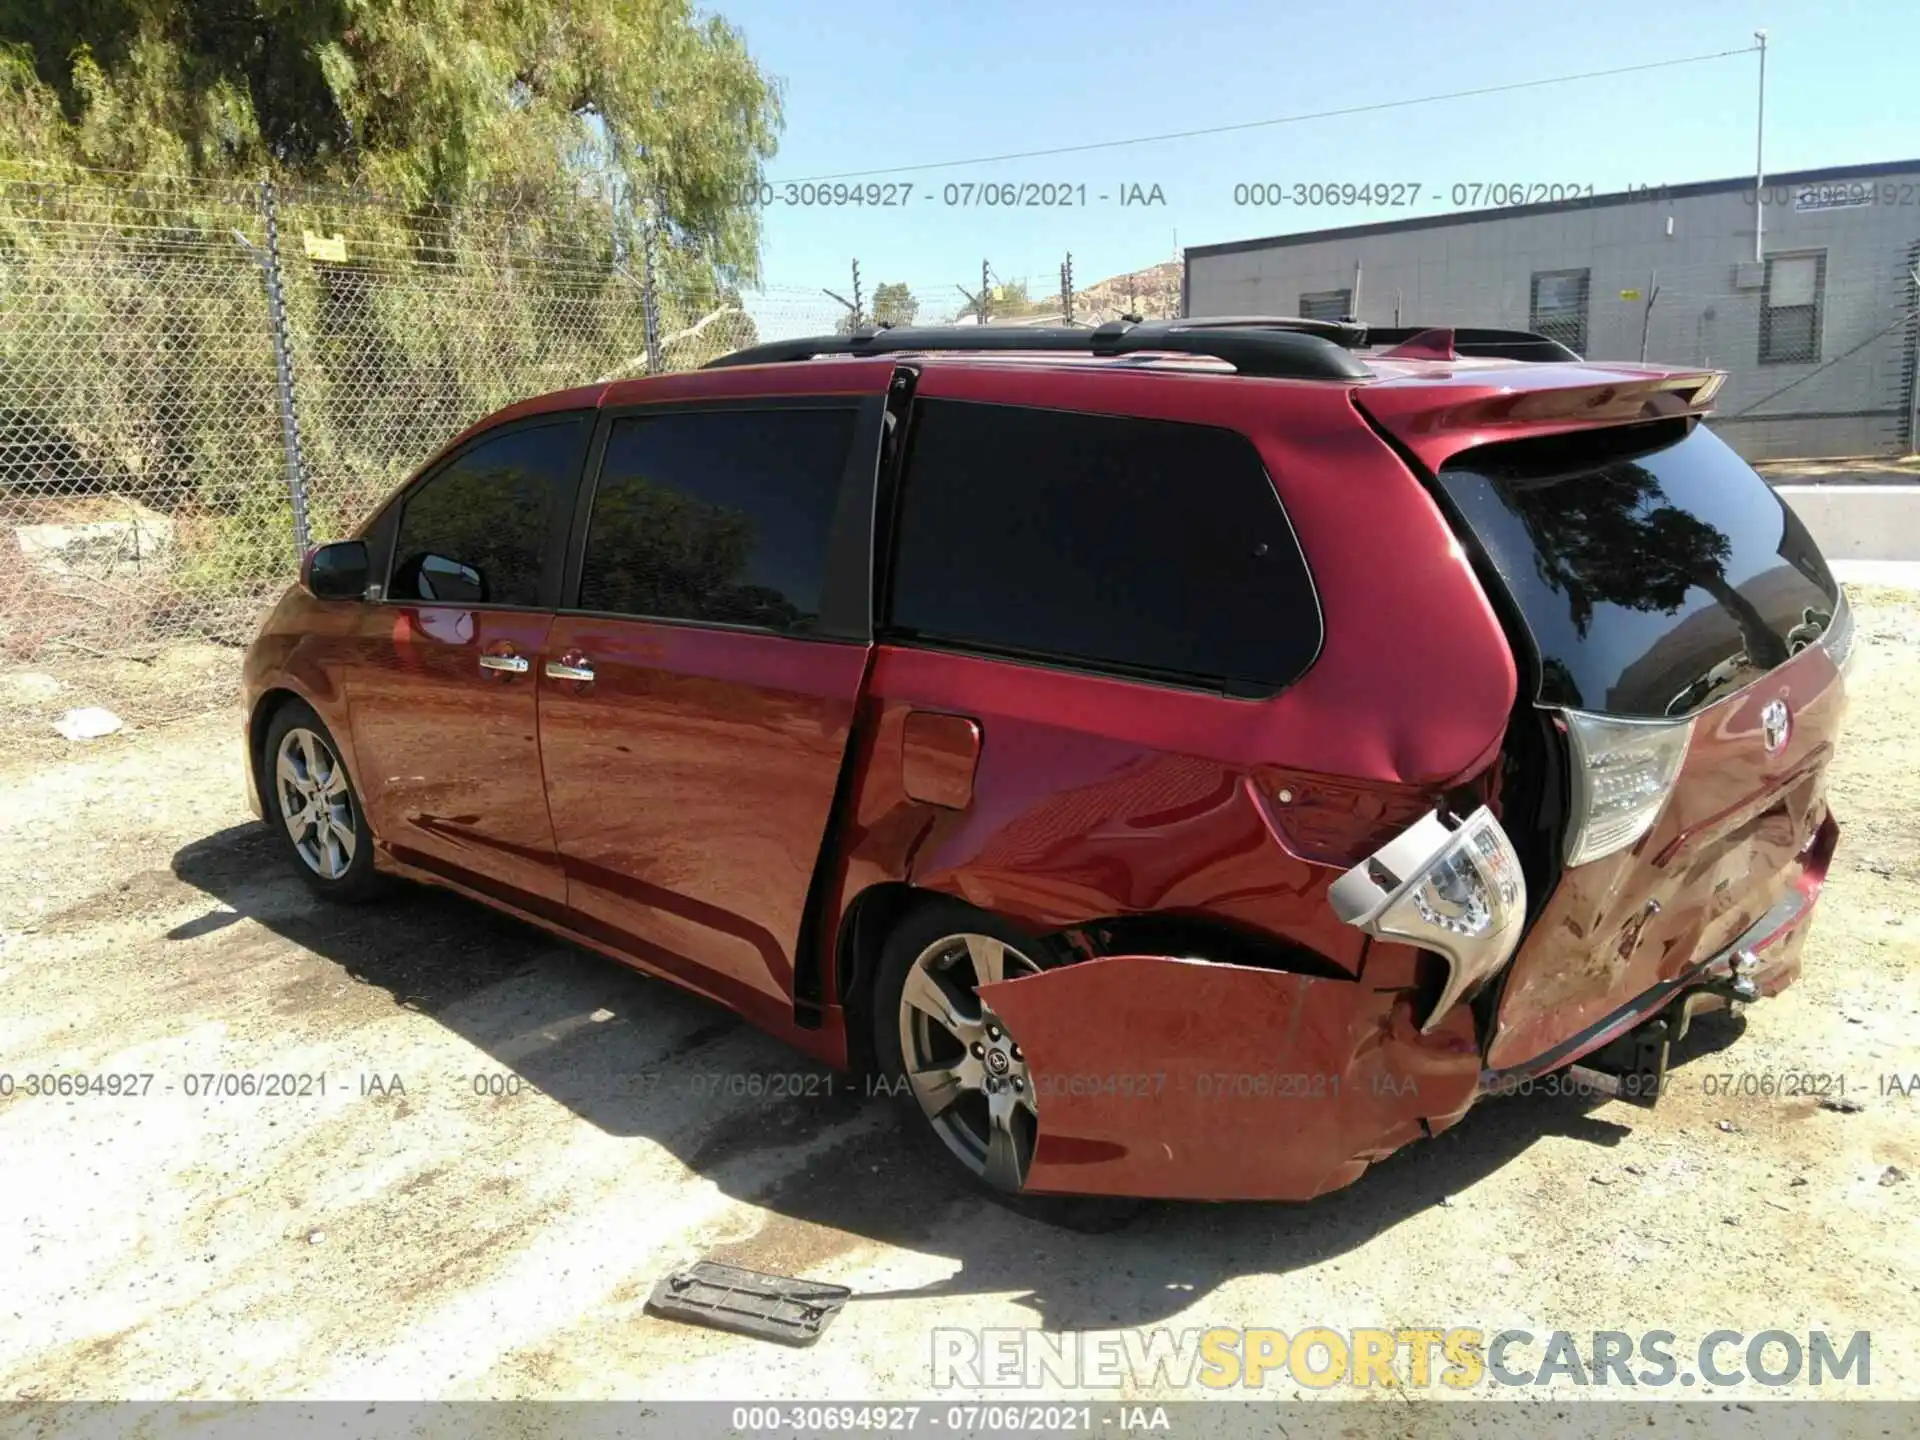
(1350, 333)
(1262, 345)
(1269, 345)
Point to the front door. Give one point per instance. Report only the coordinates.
(695, 706)
(444, 705)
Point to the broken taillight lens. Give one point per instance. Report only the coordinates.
(1840, 637)
(1455, 889)
(1623, 771)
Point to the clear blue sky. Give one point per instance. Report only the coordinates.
(870, 85)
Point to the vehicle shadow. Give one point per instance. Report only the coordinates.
(832, 1164)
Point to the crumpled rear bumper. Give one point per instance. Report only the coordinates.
(1155, 1075)
(1775, 941)
(1160, 1076)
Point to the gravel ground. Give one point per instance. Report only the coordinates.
(516, 1140)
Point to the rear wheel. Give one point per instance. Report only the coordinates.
(312, 805)
(965, 1073)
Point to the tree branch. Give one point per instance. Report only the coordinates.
(635, 361)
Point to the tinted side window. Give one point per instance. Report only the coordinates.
(475, 532)
(717, 516)
(1142, 546)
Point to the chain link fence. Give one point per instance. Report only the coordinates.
(196, 379)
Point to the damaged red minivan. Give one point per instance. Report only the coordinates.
(1189, 758)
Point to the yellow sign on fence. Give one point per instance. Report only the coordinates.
(325, 247)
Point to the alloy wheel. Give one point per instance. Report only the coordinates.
(966, 1071)
(316, 803)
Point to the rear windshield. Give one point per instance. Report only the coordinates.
(1654, 570)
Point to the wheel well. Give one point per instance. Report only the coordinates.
(1201, 937)
(864, 930)
(879, 909)
(265, 708)
(874, 915)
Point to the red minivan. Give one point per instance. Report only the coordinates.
(1190, 758)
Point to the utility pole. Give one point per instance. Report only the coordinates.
(1066, 288)
(1759, 145)
(649, 292)
(858, 308)
(296, 465)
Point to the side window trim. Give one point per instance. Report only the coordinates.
(385, 529)
(896, 445)
(1226, 687)
(846, 610)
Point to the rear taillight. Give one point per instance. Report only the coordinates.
(1623, 771)
(1453, 888)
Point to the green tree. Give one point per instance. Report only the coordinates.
(894, 304)
(492, 168)
(435, 102)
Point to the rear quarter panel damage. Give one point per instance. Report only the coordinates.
(1179, 1078)
(1062, 827)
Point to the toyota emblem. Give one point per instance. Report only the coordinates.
(1776, 723)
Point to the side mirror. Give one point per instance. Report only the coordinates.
(338, 571)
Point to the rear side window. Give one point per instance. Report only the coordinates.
(1655, 571)
(476, 531)
(1141, 547)
(718, 516)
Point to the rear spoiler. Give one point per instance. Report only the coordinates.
(1437, 419)
(1441, 342)
(1413, 342)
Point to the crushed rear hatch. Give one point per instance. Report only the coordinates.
(1684, 635)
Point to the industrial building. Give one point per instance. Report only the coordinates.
(1817, 332)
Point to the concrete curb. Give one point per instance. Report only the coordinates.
(1859, 522)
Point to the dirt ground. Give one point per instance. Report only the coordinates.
(516, 1140)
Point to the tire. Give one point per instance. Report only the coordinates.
(945, 940)
(314, 809)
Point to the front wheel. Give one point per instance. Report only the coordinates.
(312, 803)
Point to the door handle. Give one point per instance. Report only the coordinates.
(506, 664)
(577, 668)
